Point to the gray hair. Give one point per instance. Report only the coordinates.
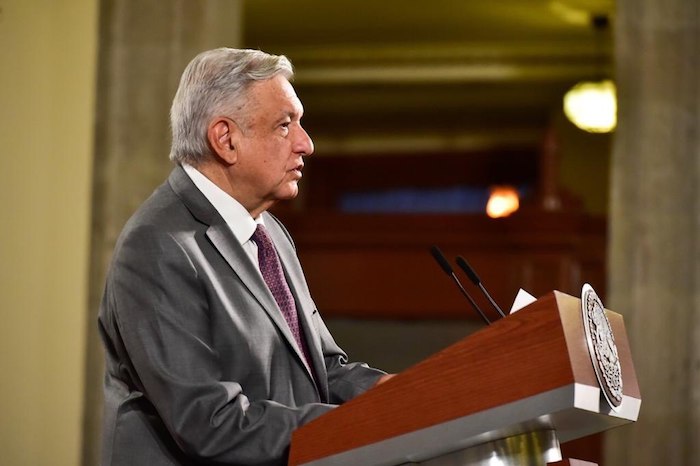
(215, 83)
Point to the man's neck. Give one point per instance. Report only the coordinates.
(221, 176)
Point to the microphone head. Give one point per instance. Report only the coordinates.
(468, 270)
(440, 258)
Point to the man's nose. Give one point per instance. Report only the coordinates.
(304, 144)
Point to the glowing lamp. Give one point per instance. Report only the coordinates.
(502, 202)
(592, 106)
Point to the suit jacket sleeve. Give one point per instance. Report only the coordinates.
(345, 380)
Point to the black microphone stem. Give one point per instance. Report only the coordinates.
(464, 265)
(447, 268)
(471, 300)
(493, 303)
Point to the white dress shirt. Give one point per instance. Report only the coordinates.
(238, 219)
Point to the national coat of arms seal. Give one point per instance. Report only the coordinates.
(601, 346)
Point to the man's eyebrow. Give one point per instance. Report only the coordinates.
(293, 114)
(285, 116)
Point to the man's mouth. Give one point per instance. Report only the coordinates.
(296, 171)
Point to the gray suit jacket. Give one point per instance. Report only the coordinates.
(200, 364)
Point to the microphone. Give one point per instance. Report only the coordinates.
(477, 281)
(444, 265)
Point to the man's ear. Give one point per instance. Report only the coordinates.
(222, 134)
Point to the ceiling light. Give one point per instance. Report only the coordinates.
(592, 106)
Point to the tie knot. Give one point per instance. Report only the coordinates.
(260, 236)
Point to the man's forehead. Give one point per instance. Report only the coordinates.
(276, 89)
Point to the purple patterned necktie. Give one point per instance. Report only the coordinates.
(272, 273)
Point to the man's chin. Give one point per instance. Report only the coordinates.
(289, 193)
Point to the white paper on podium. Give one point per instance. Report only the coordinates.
(522, 299)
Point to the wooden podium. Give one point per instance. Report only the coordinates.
(505, 395)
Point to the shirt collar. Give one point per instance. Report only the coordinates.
(234, 214)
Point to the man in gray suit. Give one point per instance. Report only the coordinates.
(214, 355)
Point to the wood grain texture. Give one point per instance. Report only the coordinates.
(520, 356)
(532, 352)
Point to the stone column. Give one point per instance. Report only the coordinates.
(654, 263)
(144, 47)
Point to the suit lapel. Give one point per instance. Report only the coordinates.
(231, 250)
(305, 306)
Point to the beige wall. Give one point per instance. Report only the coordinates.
(47, 87)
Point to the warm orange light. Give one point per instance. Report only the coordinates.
(503, 201)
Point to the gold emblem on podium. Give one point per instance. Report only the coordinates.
(601, 346)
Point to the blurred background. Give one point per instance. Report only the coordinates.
(426, 118)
